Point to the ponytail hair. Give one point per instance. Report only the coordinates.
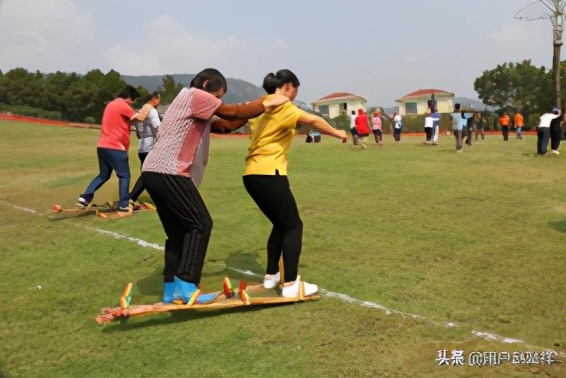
(273, 81)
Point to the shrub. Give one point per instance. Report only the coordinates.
(28, 111)
(342, 122)
(89, 119)
(533, 120)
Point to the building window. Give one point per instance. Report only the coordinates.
(323, 109)
(411, 107)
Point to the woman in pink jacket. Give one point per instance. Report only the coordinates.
(376, 128)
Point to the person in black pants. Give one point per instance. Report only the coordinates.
(469, 129)
(543, 130)
(173, 171)
(146, 131)
(556, 134)
(265, 179)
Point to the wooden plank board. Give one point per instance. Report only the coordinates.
(114, 214)
(254, 295)
(60, 212)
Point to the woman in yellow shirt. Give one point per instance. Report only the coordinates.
(265, 179)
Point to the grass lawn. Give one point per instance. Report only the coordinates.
(476, 239)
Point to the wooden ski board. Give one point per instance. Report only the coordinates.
(143, 206)
(111, 213)
(260, 297)
(146, 206)
(114, 214)
(60, 212)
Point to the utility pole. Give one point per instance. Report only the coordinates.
(555, 13)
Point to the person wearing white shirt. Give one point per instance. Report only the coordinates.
(353, 129)
(398, 124)
(543, 131)
(435, 126)
(146, 131)
(428, 124)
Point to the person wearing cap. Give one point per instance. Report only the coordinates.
(543, 130)
(398, 126)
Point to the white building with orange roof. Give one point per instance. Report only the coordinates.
(339, 103)
(417, 102)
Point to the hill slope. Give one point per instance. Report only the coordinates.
(238, 90)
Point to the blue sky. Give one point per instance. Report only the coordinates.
(379, 49)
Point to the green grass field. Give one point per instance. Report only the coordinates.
(477, 239)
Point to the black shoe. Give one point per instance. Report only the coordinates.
(82, 203)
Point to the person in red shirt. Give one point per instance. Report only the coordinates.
(362, 127)
(113, 145)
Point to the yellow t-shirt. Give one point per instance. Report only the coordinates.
(271, 137)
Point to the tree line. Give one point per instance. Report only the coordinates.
(68, 96)
(521, 87)
(74, 97)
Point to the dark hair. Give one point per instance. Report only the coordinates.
(150, 96)
(215, 80)
(273, 81)
(129, 92)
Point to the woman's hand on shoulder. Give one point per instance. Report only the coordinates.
(273, 101)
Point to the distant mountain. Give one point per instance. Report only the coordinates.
(238, 90)
(391, 110)
(476, 104)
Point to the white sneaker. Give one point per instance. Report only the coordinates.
(292, 291)
(555, 152)
(270, 281)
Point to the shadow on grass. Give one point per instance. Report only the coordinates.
(2, 367)
(152, 286)
(243, 260)
(559, 226)
(63, 216)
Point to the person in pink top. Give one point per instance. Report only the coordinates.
(113, 145)
(173, 171)
(376, 128)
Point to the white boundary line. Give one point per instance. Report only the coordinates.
(330, 294)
